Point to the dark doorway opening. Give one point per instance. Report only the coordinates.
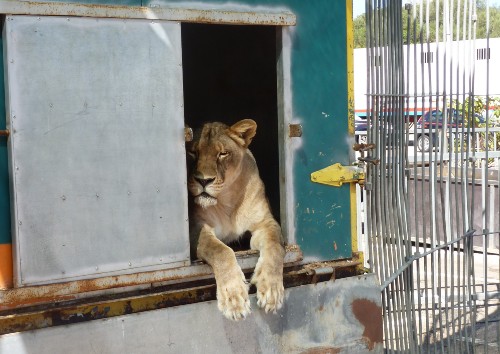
(230, 74)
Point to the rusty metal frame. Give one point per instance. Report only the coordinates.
(72, 290)
(66, 310)
(274, 17)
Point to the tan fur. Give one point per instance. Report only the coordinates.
(229, 199)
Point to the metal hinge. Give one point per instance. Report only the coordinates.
(336, 175)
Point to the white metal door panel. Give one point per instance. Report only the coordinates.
(96, 147)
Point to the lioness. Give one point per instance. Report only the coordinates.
(229, 200)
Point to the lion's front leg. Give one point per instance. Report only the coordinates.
(232, 289)
(268, 275)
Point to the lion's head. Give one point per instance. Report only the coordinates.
(216, 158)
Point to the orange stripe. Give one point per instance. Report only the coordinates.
(6, 266)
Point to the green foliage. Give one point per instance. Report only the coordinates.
(473, 112)
(359, 28)
(416, 29)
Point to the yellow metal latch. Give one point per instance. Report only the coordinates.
(336, 175)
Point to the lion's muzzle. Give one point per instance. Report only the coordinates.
(205, 200)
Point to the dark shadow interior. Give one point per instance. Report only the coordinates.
(230, 74)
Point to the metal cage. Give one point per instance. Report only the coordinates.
(432, 197)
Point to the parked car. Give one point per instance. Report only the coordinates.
(430, 122)
(360, 127)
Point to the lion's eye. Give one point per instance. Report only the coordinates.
(223, 154)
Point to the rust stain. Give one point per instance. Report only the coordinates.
(33, 301)
(334, 245)
(172, 14)
(39, 294)
(322, 350)
(370, 315)
(64, 314)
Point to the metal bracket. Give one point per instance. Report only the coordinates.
(336, 175)
(188, 134)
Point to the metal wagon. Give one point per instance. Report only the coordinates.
(98, 100)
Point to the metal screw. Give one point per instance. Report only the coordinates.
(20, 222)
(130, 264)
(63, 197)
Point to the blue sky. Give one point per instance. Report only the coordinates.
(358, 6)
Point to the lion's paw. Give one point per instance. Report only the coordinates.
(232, 298)
(270, 290)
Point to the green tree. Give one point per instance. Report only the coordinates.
(422, 25)
(359, 28)
(473, 112)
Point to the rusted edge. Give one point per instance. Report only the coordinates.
(4, 132)
(282, 18)
(39, 294)
(68, 314)
(64, 313)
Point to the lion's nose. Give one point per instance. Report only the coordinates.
(204, 181)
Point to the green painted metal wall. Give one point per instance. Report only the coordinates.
(319, 86)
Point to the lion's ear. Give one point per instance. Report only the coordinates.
(243, 131)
